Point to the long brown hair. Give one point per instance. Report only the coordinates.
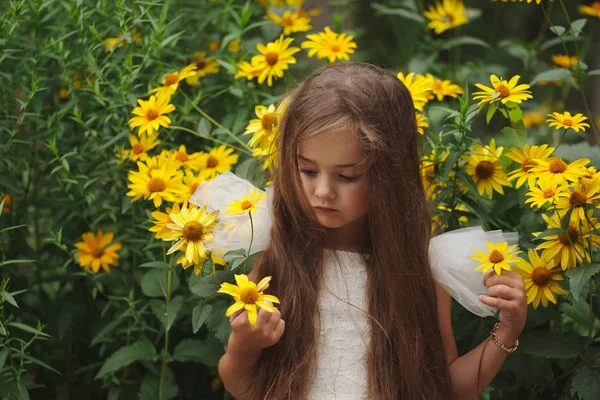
(406, 357)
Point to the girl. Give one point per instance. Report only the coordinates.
(361, 315)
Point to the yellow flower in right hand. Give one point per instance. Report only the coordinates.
(498, 257)
(247, 204)
(249, 296)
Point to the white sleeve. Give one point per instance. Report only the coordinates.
(449, 258)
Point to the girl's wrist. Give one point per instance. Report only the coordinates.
(506, 335)
(238, 348)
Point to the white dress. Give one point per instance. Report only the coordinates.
(341, 354)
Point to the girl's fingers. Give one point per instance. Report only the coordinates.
(506, 292)
(508, 278)
(273, 320)
(233, 316)
(280, 329)
(501, 304)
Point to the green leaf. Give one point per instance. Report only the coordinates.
(142, 350)
(106, 330)
(27, 328)
(3, 356)
(207, 352)
(546, 344)
(154, 283)
(586, 383)
(154, 264)
(401, 12)
(558, 30)
(553, 74)
(40, 363)
(199, 316)
(150, 387)
(594, 72)
(464, 40)
(515, 114)
(579, 277)
(577, 26)
(449, 164)
(8, 298)
(204, 127)
(166, 315)
(512, 137)
(490, 112)
(217, 322)
(204, 286)
(579, 311)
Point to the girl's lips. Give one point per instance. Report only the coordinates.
(325, 209)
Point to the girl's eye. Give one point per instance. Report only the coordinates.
(349, 178)
(307, 171)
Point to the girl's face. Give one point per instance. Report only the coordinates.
(336, 188)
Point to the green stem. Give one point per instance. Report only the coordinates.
(552, 25)
(251, 239)
(183, 128)
(562, 5)
(163, 371)
(591, 322)
(215, 123)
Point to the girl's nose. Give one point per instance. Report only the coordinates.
(324, 189)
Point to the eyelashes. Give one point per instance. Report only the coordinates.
(346, 178)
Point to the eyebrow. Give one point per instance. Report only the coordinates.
(337, 166)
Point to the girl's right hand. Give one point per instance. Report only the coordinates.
(266, 332)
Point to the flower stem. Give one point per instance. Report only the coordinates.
(183, 128)
(251, 239)
(215, 123)
(562, 5)
(163, 370)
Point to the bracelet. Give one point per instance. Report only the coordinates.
(499, 343)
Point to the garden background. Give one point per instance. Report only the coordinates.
(91, 304)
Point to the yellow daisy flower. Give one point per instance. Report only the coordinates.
(170, 83)
(429, 164)
(441, 88)
(217, 161)
(162, 219)
(163, 183)
(233, 46)
(567, 121)
(140, 147)
(249, 296)
(265, 128)
(593, 10)
(290, 21)
(586, 192)
(192, 228)
(563, 60)
(118, 41)
(556, 170)
(214, 45)
(531, 119)
(204, 66)
(185, 264)
(247, 204)
(546, 193)
(7, 203)
(446, 15)
(437, 222)
(502, 91)
(150, 114)
(498, 257)
(188, 160)
(540, 276)
(483, 165)
(247, 70)
(567, 249)
(526, 158)
(274, 58)
(418, 86)
(96, 251)
(330, 45)
(191, 181)
(421, 123)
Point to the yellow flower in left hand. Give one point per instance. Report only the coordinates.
(150, 114)
(446, 15)
(96, 251)
(502, 91)
(498, 257)
(567, 121)
(247, 204)
(249, 296)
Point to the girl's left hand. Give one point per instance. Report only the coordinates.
(507, 293)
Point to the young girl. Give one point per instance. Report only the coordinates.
(361, 315)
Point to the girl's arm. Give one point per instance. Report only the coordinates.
(235, 368)
(509, 290)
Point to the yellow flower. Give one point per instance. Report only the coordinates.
(556, 170)
(150, 114)
(140, 147)
(418, 86)
(592, 10)
(247, 204)
(531, 119)
(329, 45)
(162, 219)
(438, 221)
(96, 251)
(116, 42)
(185, 264)
(188, 160)
(203, 66)
(441, 88)
(567, 249)
(274, 58)
(567, 121)
(233, 46)
(249, 296)
(291, 22)
(163, 183)
(540, 279)
(265, 128)
(546, 193)
(502, 91)
(446, 15)
(247, 70)
(191, 227)
(483, 164)
(421, 123)
(563, 60)
(498, 257)
(526, 158)
(586, 192)
(170, 83)
(191, 182)
(214, 45)
(217, 161)
(7, 203)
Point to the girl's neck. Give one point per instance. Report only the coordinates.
(351, 237)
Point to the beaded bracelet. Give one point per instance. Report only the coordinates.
(499, 343)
